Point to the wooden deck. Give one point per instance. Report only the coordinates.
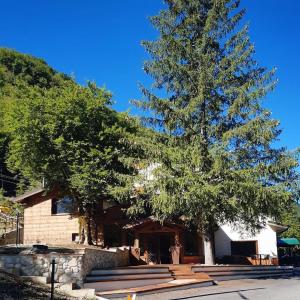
(120, 282)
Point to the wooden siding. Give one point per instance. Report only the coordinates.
(41, 226)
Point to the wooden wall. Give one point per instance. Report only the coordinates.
(41, 226)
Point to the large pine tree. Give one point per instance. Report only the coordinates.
(216, 148)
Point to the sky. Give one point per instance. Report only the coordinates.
(100, 40)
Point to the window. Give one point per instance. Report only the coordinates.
(244, 248)
(62, 206)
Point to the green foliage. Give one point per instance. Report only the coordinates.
(72, 138)
(215, 141)
(8, 206)
(291, 218)
(15, 66)
(19, 72)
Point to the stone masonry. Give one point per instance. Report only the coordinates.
(69, 268)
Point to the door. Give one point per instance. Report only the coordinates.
(166, 241)
(156, 247)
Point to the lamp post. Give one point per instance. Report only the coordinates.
(52, 278)
(17, 230)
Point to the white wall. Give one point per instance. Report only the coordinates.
(266, 239)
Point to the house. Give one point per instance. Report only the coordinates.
(48, 219)
(233, 241)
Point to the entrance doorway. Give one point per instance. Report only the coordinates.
(156, 247)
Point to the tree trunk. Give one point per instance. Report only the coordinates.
(100, 240)
(87, 231)
(81, 230)
(100, 225)
(208, 248)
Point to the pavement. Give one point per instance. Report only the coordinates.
(244, 289)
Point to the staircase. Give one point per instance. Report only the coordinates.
(222, 273)
(119, 282)
(186, 272)
(124, 278)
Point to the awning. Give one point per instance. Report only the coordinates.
(288, 242)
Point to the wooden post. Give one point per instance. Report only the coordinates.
(181, 241)
(177, 238)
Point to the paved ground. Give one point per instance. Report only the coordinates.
(246, 289)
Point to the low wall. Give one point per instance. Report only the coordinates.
(69, 267)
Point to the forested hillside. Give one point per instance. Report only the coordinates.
(17, 72)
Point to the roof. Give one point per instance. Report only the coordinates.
(143, 222)
(28, 194)
(288, 242)
(279, 228)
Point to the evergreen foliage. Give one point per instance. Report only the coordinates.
(215, 143)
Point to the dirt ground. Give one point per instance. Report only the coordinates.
(14, 288)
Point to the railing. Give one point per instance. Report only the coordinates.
(261, 260)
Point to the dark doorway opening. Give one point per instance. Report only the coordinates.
(156, 247)
(244, 248)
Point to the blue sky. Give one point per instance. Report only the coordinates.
(100, 40)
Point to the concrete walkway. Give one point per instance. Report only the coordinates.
(245, 289)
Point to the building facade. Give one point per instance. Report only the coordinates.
(47, 220)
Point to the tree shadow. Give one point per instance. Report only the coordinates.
(239, 292)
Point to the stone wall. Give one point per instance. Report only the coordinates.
(112, 258)
(69, 267)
